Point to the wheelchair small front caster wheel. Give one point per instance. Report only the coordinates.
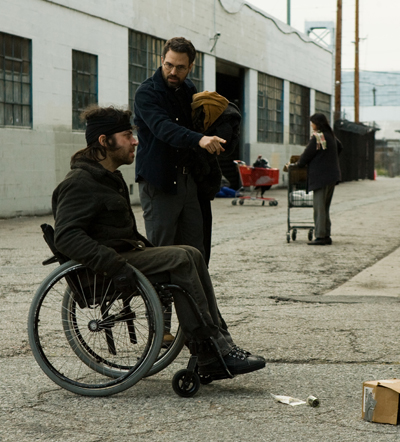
(185, 384)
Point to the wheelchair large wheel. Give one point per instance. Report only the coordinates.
(168, 352)
(90, 339)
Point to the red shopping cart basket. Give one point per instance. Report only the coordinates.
(255, 181)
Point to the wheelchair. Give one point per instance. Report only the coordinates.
(92, 340)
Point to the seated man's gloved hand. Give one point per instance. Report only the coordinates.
(125, 280)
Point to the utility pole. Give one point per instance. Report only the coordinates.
(357, 72)
(338, 61)
(288, 12)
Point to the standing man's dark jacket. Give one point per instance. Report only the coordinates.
(323, 164)
(93, 217)
(162, 148)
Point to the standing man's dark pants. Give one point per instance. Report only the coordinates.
(173, 219)
(322, 200)
(187, 269)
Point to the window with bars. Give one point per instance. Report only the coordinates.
(15, 81)
(299, 114)
(270, 109)
(196, 74)
(145, 57)
(84, 85)
(323, 104)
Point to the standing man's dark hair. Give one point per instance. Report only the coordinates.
(180, 45)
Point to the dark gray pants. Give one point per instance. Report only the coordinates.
(322, 201)
(187, 269)
(173, 219)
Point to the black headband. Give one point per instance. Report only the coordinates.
(105, 126)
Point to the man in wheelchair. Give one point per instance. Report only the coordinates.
(95, 225)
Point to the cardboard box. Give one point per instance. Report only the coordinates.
(381, 401)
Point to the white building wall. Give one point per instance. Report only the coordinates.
(34, 160)
(312, 101)
(249, 125)
(209, 62)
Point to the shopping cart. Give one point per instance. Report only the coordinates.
(255, 181)
(298, 198)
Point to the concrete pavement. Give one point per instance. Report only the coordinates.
(326, 318)
(381, 280)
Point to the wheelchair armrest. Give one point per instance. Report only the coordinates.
(50, 260)
(48, 235)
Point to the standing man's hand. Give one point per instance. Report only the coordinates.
(212, 144)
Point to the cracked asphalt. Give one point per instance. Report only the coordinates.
(326, 319)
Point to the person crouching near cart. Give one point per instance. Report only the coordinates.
(323, 173)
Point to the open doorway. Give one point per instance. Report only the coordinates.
(230, 84)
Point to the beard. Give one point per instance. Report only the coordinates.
(118, 153)
(176, 81)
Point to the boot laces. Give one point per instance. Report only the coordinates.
(237, 352)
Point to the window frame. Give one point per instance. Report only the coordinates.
(270, 109)
(299, 110)
(323, 104)
(15, 84)
(85, 72)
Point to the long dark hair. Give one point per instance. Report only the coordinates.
(95, 151)
(321, 122)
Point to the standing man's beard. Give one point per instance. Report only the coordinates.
(172, 85)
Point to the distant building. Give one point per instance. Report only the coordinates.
(376, 88)
(379, 101)
(380, 108)
(57, 56)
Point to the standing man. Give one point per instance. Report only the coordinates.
(165, 155)
(95, 225)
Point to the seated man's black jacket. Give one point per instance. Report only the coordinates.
(93, 217)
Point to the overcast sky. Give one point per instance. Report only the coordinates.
(379, 27)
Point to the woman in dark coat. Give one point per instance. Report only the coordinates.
(322, 158)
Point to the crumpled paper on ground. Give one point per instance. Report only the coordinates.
(288, 400)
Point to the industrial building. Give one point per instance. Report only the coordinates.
(57, 56)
